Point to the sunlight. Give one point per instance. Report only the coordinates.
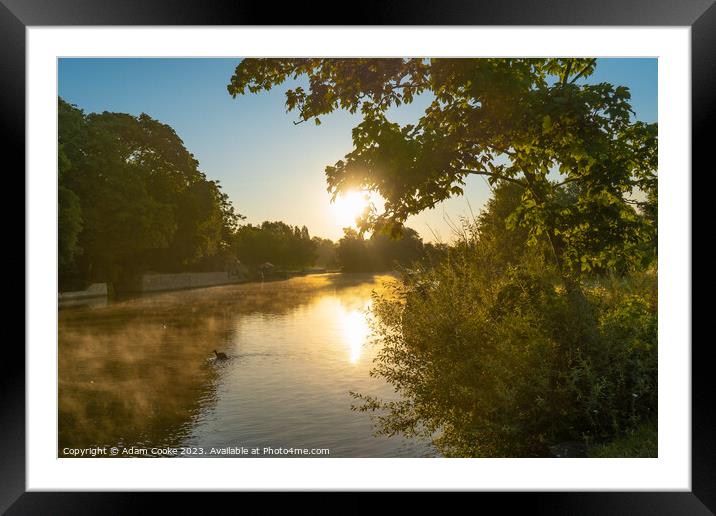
(349, 206)
(355, 332)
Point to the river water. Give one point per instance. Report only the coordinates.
(141, 373)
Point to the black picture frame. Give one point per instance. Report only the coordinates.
(16, 15)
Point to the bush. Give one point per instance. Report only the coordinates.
(496, 358)
(616, 381)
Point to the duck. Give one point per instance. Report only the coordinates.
(220, 356)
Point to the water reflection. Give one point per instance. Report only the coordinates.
(141, 372)
(355, 331)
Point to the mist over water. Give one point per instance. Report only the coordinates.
(142, 372)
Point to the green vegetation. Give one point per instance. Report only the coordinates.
(381, 253)
(131, 198)
(641, 442)
(277, 243)
(539, 325)
(325, 253)
(496, 358)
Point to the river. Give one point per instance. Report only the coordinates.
(141, 373)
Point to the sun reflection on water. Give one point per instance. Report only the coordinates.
(355, 328)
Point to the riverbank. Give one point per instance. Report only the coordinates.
(92, 291)
(162, 282)
(177, 281)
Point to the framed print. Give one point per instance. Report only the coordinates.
(422, 252)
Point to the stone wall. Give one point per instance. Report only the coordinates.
(181, 281)
(94, 290)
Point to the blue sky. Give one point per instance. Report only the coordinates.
(270, 168)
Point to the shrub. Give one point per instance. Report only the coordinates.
(500, 359)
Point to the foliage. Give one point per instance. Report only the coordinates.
(283, 246)
(379, 252)
(132, 198)
(326, 253)
(641, 442)
(540, 325)
(492, 356)
(532, 122)
(69, 222)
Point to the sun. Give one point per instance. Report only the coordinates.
(349, 206)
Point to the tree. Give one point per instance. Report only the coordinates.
(326, 250)
(353, 254)
(379, 253)
(531, 122)
(507, 241)
(288, 247)
(132, 198)
(69, 222)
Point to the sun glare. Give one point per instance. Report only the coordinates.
(349, 206)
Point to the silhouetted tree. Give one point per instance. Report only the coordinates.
(380, 252)
(287, 247)
(531, 122)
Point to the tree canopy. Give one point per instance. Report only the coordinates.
(584, 164)
(131, 197)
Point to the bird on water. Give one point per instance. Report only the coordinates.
(220, 355)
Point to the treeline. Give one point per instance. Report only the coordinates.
(288, 247)
(381, 252)
(292, 248)
(132, 199)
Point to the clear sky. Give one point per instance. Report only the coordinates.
(270, 168)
